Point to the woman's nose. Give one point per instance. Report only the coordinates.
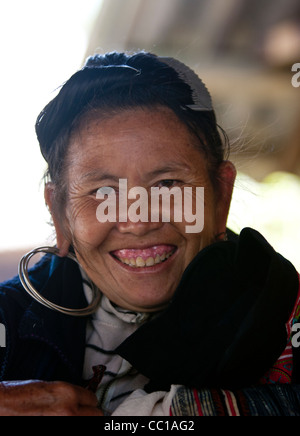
(136, 215)
(139, 228)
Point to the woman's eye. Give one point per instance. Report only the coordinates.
(168, 183)
(104, 190)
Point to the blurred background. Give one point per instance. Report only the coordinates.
(244, 51)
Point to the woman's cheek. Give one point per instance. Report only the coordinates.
(84, 226)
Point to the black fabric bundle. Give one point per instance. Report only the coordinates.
(225, 326)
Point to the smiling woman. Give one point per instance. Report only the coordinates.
(151, 136)
(171, 310)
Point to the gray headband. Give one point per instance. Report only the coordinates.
(200, 94)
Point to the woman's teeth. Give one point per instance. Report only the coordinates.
(139, 262)
(143, 258)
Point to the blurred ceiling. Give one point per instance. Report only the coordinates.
(244, 51)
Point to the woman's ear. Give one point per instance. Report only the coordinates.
(226, 179)
(62, 243)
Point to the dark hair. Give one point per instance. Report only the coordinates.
(117, 81)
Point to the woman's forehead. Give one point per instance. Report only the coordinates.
(152, 140)
(134, 128)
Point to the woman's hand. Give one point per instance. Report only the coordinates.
(36, 398)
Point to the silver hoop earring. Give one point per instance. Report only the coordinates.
(24, 277)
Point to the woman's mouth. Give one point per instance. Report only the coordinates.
(146, 257)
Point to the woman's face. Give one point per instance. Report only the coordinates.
(137, 265)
